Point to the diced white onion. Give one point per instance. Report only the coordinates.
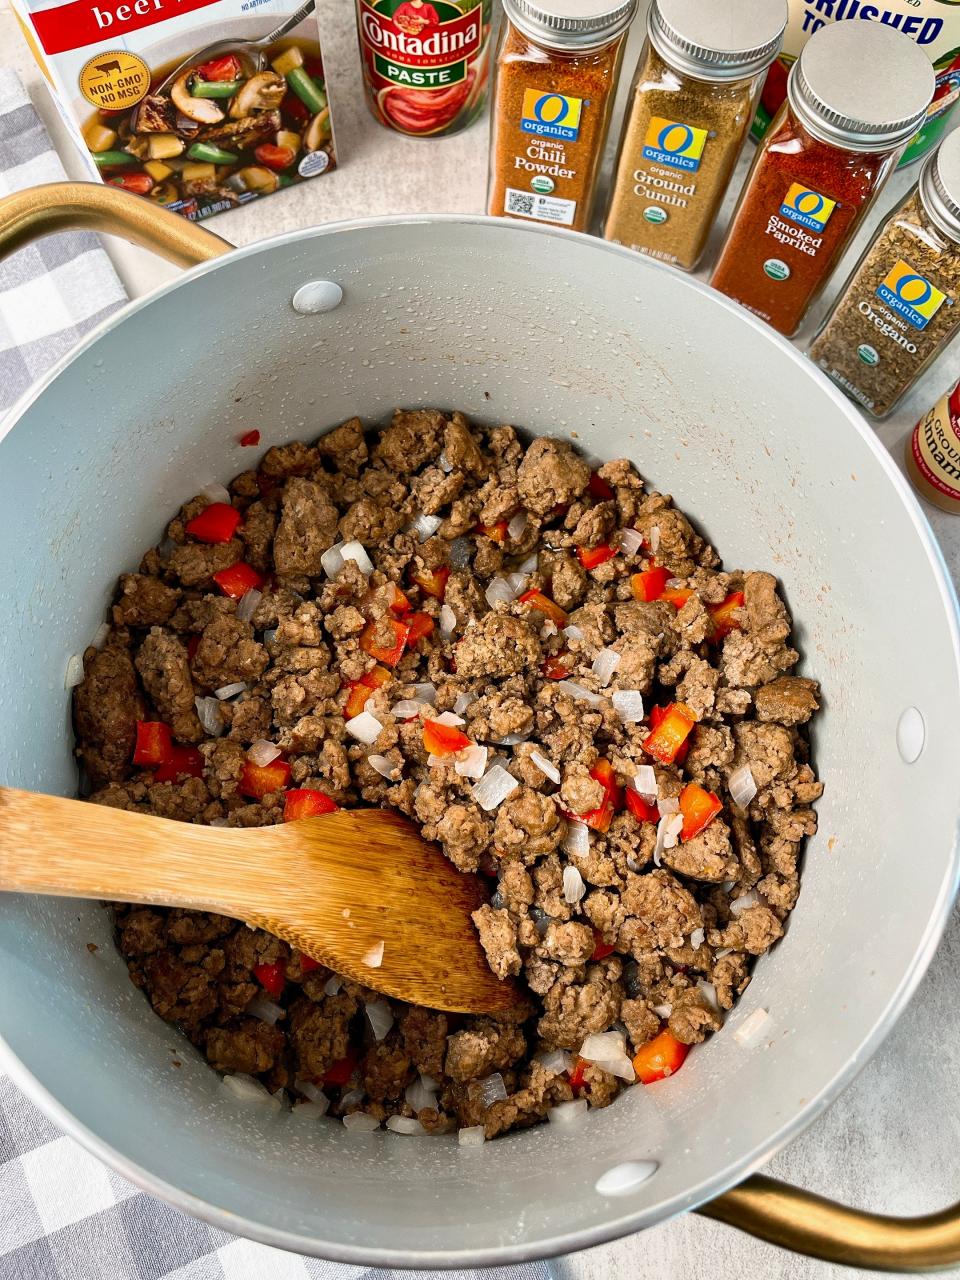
(333, 985)
(471, 762)
(548, 629)
(668, 804)
(449, 718)
(745, 901)
(573, 886)
(472, 1136)
(352, 1097)
(356, 552)
(749, 1030)
(530, 564)
(518, 581)
(448, 621)
(361, 1122)
(696, 938)
(742, 786)
(461, 549)
(386, 768)
(380, 1016)
(655, 539)
(74, 672)
(210, 714)
(408, 708)
(247, 1089)
(630, 541)
(605, 664)
(709, 993)
(499, 591)
(645, 783)
(332, 560)
(724, 951)
(492, 1089)
(230, 690)
(517, 525)
(440, 762)
(608, 1051)
(313, 1092)
(426, 692)
(249, 604)
(308, 1111)
(364, 728)
(404, 1124)
(216, 493)
(463, 701)
(512, 739)
(445, 463)
(262, 752)
(573, 632)
(661, 844)
(426, 526)
(546, 767)
(628, 704)
(555, 1061)
(100, 635)
(373, 958)
(579, 692)
(420, 1095)
(264, 1009)
(673, 824)
(566, 1112)
(493, 788)
(662, 1010)
(577, 839)
(270, 635)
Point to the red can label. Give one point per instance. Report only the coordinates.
(423, 61)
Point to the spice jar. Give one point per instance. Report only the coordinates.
(856, 96)
(933, 453)
(556, 76)
(898, 309)
(692, 101)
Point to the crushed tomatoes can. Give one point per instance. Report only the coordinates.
(425, 62)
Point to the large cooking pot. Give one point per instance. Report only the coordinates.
(561, 334)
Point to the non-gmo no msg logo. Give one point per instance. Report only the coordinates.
(677, 145)
(910, 295)
(551, 115)
(807, 208)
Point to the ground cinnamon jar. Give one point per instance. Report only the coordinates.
(856, 95)
(556, 75)
(933, 453)
(691, 104)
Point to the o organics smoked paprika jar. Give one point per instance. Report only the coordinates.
(691, 104)
(556, 76)
(856, 96)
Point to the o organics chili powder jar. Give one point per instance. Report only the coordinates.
(556, 76)
(692, 101)
(856, 96)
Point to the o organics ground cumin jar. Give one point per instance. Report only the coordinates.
(900, 306)
(692, 101)
(556, 76)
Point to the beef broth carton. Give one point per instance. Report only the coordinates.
(158, 112)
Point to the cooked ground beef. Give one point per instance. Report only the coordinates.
(639, 930)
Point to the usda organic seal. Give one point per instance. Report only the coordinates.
(776, 269)
(868, 354)
(653, 213)
(542, 184)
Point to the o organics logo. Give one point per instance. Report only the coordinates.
(671, 143)
(809, 208)
(910, 295)
(551, 115)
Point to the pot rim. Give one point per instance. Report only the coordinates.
(628, 1222)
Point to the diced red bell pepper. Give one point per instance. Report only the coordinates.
(308, 964)
(433, 581)
(294, 109)
(154, 743)
(360, 690)
(180, 761)
(250, 437)
(640, 808)
(397, 601)
(657, 715)
(306, 803)
(339, 1072)
(699, 808)
(216, 523)
(237, 579)
(670, 733)
(578, 1071)
(677, 596)
(555, 669)
(723, 613)
(659, 1057)
(193, 644)
(391, 652)
(141, 184)
(443, 739)
(650, 584)
(498, 531)
(273, 157)
(590, 557)
(226, 67)
(599, 488)
(560, 509)
(259, 780)
(602, 949)
(421, 625)
(601, 817)
(272, 977)
(543, 604)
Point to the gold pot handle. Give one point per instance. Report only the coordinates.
(60, 206)
(807, 1223)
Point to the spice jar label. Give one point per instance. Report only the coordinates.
(675, 144)
(807, 208)
(551, 115)
(910, 295)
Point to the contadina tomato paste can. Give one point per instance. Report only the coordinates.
(933, 25)
(425, 62)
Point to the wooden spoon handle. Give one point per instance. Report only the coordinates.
(78, 850)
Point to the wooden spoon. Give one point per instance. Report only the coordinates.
(343, 888)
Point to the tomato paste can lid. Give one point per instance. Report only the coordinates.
(940, 186)
(577, 24)
(718, 39)
(863, 86)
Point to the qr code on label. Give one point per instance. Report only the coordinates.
(519, 202)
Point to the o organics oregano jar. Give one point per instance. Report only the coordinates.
(692, 101)
(556, 76)
(900, 306)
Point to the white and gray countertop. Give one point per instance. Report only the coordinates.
(890, 1142)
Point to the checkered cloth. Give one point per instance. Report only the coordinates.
(54, 291)
(65, 1216)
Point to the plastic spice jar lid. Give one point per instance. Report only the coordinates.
(571, 24)
(940, 186)
(861, 85)
(717, 39)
